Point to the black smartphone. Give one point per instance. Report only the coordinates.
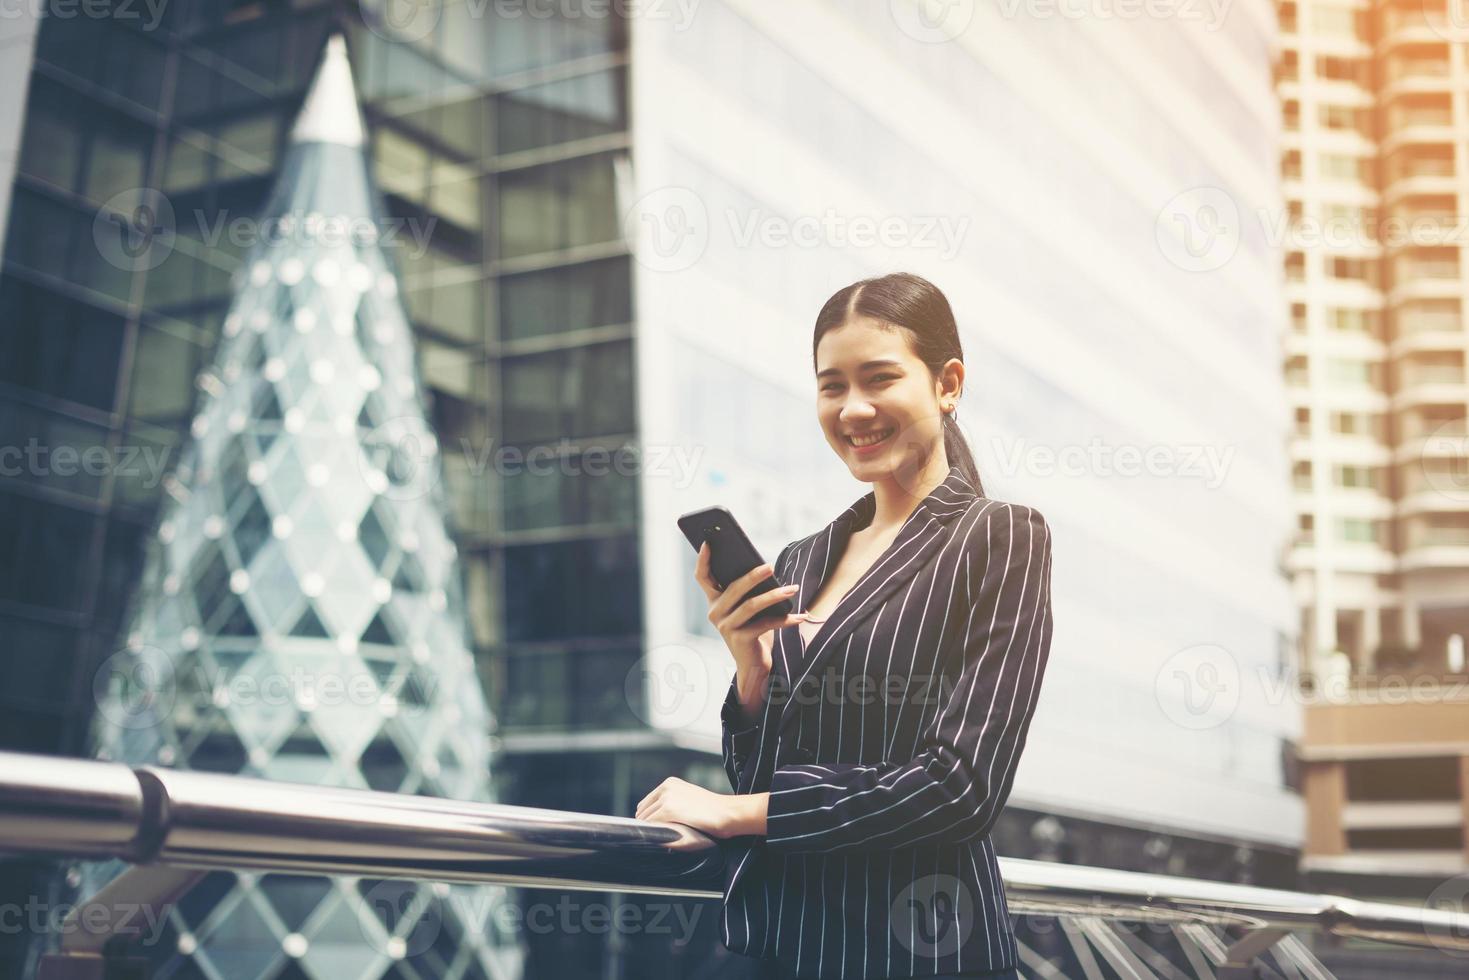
(730, 553)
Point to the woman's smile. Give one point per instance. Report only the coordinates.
(867, 442)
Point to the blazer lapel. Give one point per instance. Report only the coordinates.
(924, 531)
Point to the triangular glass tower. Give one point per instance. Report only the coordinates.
(300, 616)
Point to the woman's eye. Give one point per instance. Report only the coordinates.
(882, 377)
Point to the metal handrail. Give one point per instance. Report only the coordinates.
(165, 819)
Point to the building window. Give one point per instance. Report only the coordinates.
(1358, 477)
(1356, 270)
(1341, 166)
(1354, 321)
(1342, 69)
(1297, 370)
(561, 111)
(558, 206)
(561, 589)
(572, 393)
(1359, 530)
(1338, 21)
(574, 297)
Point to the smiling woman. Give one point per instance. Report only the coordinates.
(871, 737)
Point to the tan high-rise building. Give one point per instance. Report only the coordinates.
(1375, 98)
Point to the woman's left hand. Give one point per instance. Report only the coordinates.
(716, 814)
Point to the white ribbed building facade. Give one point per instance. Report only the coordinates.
(1052, 175)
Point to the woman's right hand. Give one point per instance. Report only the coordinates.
(749, 637)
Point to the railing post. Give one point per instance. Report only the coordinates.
(1239, 960)
(95, 946)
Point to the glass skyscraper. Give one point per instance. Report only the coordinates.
(496, 146)
(301, 617)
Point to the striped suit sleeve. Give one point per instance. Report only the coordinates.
(738, 736)
(955, 786)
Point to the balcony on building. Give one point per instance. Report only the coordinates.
(1416, 71)
(1411, 24)
(1424, 272)
(1418, 118)
(1428, 377)
(1427, 325)
(1418, 169)
(1440, 540)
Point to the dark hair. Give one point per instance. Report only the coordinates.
(902, 299)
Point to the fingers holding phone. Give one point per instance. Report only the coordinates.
(751, 604)
(726, 609)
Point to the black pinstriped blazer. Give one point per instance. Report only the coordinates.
(890, 744)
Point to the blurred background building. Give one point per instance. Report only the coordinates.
(1038, 169)
(522, 122)
(613, 235)
(1377, 185)
(301, 616)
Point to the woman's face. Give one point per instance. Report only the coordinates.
(870, 386)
